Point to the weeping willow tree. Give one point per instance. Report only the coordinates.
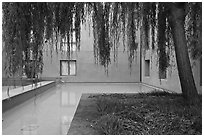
(176, 26)
(172, 25)
(27, 25)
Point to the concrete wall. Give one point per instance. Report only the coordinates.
(172, 81)
(87, 69)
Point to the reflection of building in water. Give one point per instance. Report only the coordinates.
(68, 98)
(72, 98)
(68, 104)
(64, 99)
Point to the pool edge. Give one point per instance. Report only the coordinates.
(20, 98)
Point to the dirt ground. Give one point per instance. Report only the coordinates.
(84, 115)
(156, 113)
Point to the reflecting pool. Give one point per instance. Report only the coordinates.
(51, 112)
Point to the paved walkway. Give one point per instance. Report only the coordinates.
(51, 112)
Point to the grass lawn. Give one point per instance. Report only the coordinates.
(159, 113)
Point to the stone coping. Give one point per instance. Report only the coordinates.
(20, 95)
(21, 90)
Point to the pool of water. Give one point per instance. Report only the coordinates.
(51, 112)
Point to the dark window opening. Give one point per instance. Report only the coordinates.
(147, 67)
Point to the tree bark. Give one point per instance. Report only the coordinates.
(177, 19)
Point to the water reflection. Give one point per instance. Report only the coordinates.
(68, 98)
(64, 99)
(68, 102)
(51, 112)
(72, 98)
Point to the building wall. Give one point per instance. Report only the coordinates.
(172, 81)
(87, 69)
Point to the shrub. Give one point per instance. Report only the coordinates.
(150, 114)
(106, 105)
(109, 124)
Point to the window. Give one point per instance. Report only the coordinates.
(67, 67)
(147, 67)
(162, 74)
(72, 67)
(64, 67)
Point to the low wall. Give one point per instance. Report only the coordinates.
(15, 100)
(16, 82)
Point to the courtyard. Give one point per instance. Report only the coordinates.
(107, 67)
(57, 105)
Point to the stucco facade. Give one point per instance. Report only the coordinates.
(171, 82)
(86, 68)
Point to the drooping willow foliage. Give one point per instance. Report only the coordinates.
(26, 26)
(194, 29)
(157, 18)
(111, 21)
(101, 32)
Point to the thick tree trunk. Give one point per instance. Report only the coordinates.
(182, 57)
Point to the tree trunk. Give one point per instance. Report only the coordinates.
(188, 87)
